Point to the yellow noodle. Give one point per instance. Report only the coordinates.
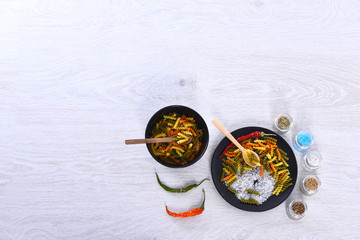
(177, 122)
(177, 148)
(182, 141)
(169, 117)
(179, 153)
(160, 135)
(187, 132)
(260, 148)
(232, 178)
(278, 164)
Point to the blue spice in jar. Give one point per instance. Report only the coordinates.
(304, 139)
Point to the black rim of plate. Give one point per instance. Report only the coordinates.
(271, 202)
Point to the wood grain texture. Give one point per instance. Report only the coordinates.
(80, 77)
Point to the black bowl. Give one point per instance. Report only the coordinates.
(189, 113)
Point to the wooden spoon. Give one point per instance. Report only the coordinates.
(157, 140)
(250, 157)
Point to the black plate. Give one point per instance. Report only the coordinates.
(271, 202)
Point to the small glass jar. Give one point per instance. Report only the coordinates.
(311, 161)
(303, 141)
(283, 122)
(296, 209)
(310, 185)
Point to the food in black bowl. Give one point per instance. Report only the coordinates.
(190, 131)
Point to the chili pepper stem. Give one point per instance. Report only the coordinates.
(267, 134)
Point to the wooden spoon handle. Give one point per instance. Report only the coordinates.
(149, 140)
(227, 134)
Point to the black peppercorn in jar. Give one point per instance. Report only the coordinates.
(296, 209)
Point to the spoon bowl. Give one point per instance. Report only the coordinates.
(251, 158)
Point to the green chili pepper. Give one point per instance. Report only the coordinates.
(178, 190)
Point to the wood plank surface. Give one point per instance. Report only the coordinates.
(77, 78)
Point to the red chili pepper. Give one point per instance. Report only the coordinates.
(243, 138)
(190, 213)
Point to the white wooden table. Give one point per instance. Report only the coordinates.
(77, 78)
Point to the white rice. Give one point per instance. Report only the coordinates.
(264, 185)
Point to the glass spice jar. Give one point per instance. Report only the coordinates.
(311, 161)
(310, 185)
(296, 209)
(283, 122)
(303, 141)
